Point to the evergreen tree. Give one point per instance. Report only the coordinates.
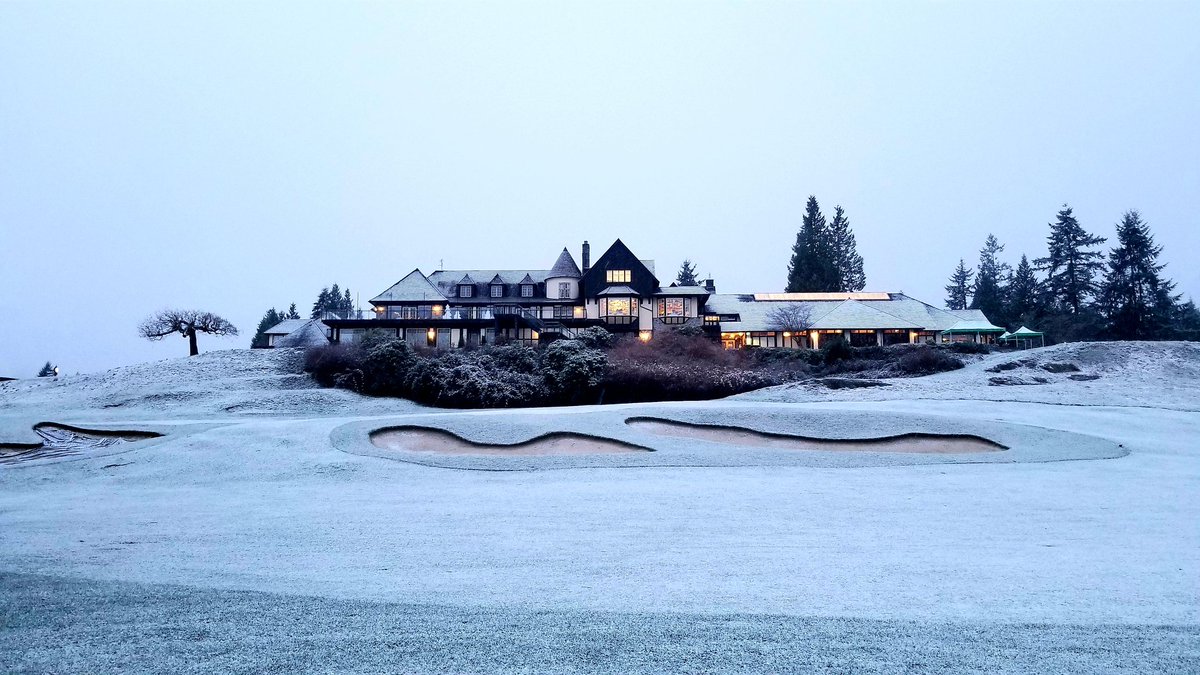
(47, 371)
(812, 266)
(1138, 304)
(990, 278)
(333, 300)
(1186, 323)
(321, 305)
(847, 261)
(269, 320)
(1070, 269)
(292, 313)
(687, 274)
(959, 287)
(1022, 294)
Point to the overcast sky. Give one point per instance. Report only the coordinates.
(232, 157)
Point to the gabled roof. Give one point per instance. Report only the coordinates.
(311, 334)
(466, 280)
(497, 280)
(565, 266)
(526, 280)
(1026, 332)
(412, 288)
(286, 327)
(852, 315)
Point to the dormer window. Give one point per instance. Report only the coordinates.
(497, 290)
(466, 291)
(618, 276)
(526, 290)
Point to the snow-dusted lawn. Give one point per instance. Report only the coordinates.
(243, 499)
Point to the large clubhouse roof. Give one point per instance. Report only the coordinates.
(412, 288)
(836, 311)
(820, 297)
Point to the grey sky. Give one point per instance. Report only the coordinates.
(231, 157)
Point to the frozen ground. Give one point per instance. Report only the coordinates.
(253, 537)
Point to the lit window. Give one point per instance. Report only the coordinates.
(580, 313)
(670, 307)
(526, 290)
(712, 319)
(466, 291)
(497, 291)
(618, 307)
(618, 276)
(564, 290)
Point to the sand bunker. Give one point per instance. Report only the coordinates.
(425, 439)
(913, 443)
(61, 441)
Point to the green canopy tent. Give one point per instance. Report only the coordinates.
(1024, 338)
(974, 328)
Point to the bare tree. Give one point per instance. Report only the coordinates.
(187, 323)
(791, 317)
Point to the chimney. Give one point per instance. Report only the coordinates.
(587, 256)
(709, 285)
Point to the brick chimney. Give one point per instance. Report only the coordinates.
(587, 256)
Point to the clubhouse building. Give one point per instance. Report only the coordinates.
(621, 292)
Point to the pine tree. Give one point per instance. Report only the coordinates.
(47, 371)
(269, 320)
(847, 261)
(959, 287)
(321, 305)
(1070, 269)
(1022, 294)
(1138, 304)
(687, 274)
(292, 313)
(1185, 325)
(812, 266)
(990, 277)
(347, 304)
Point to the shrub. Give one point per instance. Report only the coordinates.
(595, 337)
(927, 360)
(572, 369)
(836, 350)
(326, 362)
(970, 348)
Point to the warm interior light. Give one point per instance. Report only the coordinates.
(431, 333)
(535, 335)
(786, 334)
(579, 312)
(437, 310)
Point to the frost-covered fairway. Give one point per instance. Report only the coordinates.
(246, 540)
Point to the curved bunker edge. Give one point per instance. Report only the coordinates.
(1025, 443)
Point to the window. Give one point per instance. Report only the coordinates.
(564, 290)
(526, 290)
(564, 312)
(670, 307)
(618, 307)
(466, 291)
(618, 276)
(711, 319)
(497, 291)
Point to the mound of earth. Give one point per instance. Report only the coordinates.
(1142, 374)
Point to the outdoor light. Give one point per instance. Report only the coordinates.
(644, 336)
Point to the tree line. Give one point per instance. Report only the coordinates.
(331, 300)
(1076, 291)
